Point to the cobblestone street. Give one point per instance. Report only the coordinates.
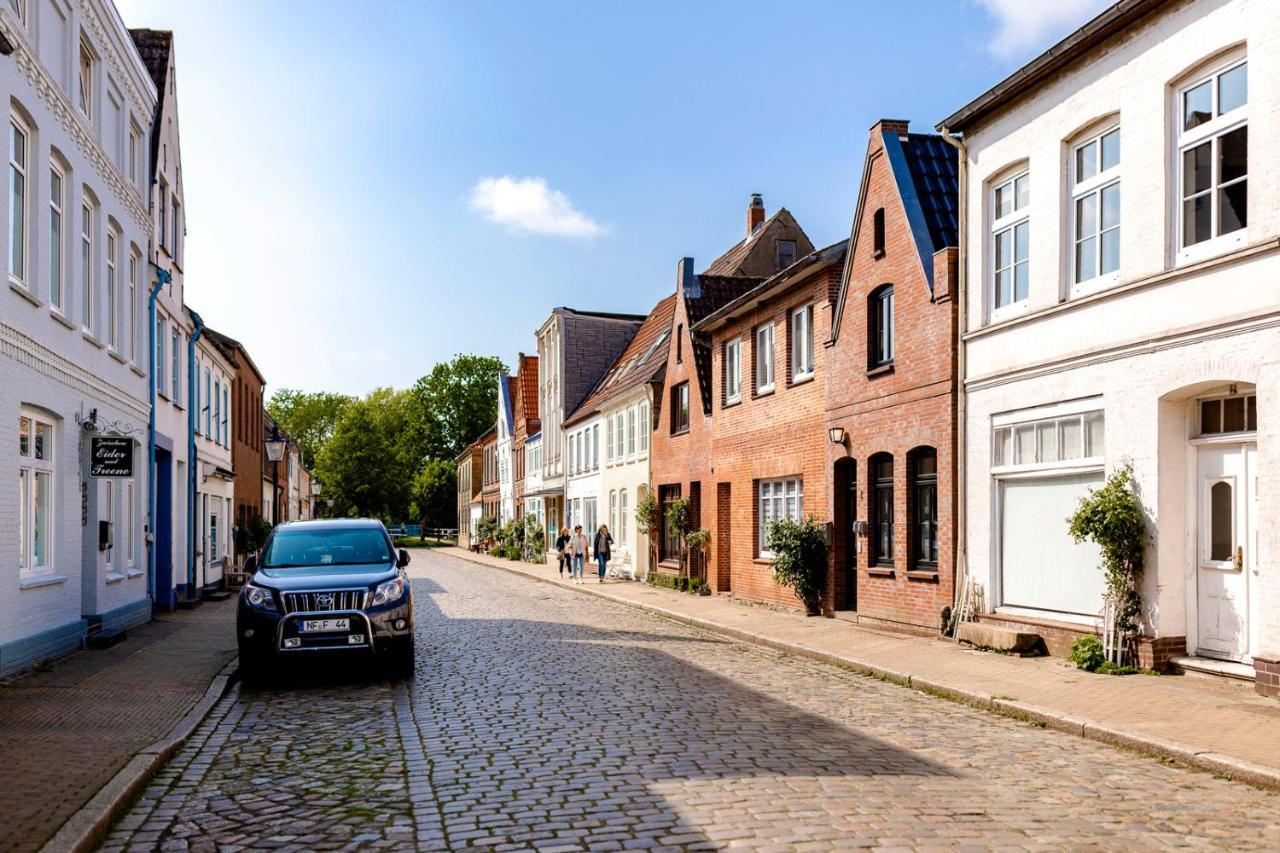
(543, 718)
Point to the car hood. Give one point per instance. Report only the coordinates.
(325, 577)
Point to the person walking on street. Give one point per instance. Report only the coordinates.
(578, 547)
(562, 547)
(602, 549)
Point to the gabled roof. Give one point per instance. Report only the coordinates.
(926, 174)
(754, 255)
(229, 345)
(154, 47)
(1046, 66)
(825, 257)
(506, 391)
(528, 391)
(643, 360)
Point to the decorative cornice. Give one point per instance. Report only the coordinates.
(27, 62)
(122, 74)
(40, 359)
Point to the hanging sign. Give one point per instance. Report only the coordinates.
(111, 456)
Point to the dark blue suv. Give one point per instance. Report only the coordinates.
(326, 587)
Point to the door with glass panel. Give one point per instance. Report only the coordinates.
(1227, 503)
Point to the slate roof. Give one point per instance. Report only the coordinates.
(154, 47)
(762, 288)
(643, 360)
(229, 345)
(934, 173)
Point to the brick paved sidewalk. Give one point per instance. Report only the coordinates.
(66, 729)
(1194, 719)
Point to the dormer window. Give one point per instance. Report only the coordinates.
(786, 253)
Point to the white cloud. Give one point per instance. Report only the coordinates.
(1026, 25)
(529, 205)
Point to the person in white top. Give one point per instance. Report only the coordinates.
(578, 546)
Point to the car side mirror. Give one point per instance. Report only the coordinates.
(251, 563)
(403, 559)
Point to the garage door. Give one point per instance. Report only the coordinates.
(1041, 568)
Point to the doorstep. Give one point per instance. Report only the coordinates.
(1202, 667)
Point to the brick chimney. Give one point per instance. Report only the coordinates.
(890, 126)
(755, 213)
(686, 281)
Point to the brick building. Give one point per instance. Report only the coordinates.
(247, 455)
(768, 446)
(490, 479)
(680, 456)
(470, 478)
(524, 405)
(891, 387)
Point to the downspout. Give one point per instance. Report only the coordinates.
(162, 278)
(962, 289)
(193, 469)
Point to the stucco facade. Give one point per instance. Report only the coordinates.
(1159, 351)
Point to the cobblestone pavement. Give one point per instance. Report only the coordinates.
(541, 718)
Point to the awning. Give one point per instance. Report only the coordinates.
(545, 493)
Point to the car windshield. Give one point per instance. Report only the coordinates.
(347, 546)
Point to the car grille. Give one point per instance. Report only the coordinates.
(327, 599)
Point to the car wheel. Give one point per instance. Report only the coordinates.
(253, 669)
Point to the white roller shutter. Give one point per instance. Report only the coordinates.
(1041, 568)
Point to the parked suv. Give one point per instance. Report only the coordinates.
(328, 587)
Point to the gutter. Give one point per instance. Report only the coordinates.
(193, 469)
(962, 287)
(162, 278)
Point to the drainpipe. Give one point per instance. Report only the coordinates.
(162, 278)
(962, 288)
(193, 469)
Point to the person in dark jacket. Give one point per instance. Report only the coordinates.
(602, 548)
(562, 547)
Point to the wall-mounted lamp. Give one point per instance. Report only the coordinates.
(836, 434)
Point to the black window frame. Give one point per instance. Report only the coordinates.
(880, 327)
(669, 541)
(882, 528)
(877, 232)
(680, 408)
(924, 493)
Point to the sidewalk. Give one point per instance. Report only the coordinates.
(1219, 727)
(67, 729)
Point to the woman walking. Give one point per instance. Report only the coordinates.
(562, 547)
(602, 549)
(578, 546)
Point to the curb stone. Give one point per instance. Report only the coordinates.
(1235, 769)
(86, 828)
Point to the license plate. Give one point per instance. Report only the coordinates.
(312, 626)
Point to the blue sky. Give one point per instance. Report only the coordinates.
(368, 194)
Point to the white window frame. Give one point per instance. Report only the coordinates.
(764, 359)
(622, 519)
(1019, 216)
(631, 432)
(773, 505)
(613, 510)
(1081, 189)
(1079, 412)
(802, 343)
(30, 469)
(130, 558)
(135, 264)
(594, 440)
(19, 169)
(162, 337)
(135, 153)
(643, 428)
(109, 552)
(86, 77)
(1211, 131)
(608, 440)
(226, 413)
(175, 357)
(57, 238)
(88, 285)
(733, 371)
(113, 309)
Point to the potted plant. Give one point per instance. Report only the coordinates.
(697, 542)
(678, 519)
(649, 524)
(800, 559)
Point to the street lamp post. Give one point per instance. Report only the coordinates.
(275, 451)
(315, 499)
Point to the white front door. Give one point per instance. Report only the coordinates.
(1226, 547)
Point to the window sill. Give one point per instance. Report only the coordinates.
(880, 370)
(923, 575)
(37, 581)
(684, 431)
(117, 356)
(62, 318)
(762, 560)
(764, 392)
(114, 577)
(881, 572)
(878, 254)
(25, 293)
(729, 404)
(800, 380)
(88, 336)
(133, 573)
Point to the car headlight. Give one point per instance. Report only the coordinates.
(259, 596)
(389, 591)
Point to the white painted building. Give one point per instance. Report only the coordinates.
(1122, 268)
(583, 480)
(212, 379)
(171, 327)
(533, 501)
(73, 343)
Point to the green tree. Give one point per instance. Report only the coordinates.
(457, 401)
(361, 465)
(434, 494)
(310, 417)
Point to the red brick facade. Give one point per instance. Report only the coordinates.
(248, 458)
(524, 407)
(895, 413)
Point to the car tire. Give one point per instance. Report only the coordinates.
(402, 659)
(253, 669)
